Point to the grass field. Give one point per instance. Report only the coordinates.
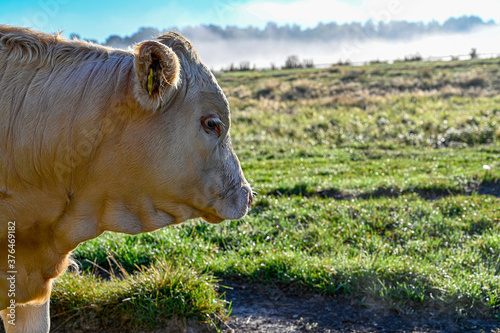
(380, 183)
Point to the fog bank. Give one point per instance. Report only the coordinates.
(220, 53)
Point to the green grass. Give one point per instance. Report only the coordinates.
(144, 300)
(372, 185)
(373, 171)
(402, 251)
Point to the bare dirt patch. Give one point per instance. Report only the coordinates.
(258, 308)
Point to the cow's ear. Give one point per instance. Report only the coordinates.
(157, 69)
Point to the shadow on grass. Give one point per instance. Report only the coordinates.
(490, 188)
(393, 288)
(279, 307)
(432, 193)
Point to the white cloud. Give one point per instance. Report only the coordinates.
(427, 10)
(309, 13)
(304, 12)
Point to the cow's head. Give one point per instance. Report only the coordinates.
(191, 168)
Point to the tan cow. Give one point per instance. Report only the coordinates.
(94, 139)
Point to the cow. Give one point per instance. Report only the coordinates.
(96, 139)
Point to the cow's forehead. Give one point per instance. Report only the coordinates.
(216, 101)
(204, 83)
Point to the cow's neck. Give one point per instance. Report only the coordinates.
(91, 216)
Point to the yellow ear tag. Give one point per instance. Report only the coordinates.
(150, 81)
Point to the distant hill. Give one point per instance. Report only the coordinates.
(392, 30)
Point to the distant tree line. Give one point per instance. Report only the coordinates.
(328, 31)
(292, 62)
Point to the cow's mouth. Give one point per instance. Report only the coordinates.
(210, 218)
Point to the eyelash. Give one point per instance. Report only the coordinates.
(212, 123)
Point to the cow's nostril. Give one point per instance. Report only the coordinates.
(250, 199)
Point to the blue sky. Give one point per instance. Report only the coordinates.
(100, 19)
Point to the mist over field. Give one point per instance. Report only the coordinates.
(325, 44)
(221, 53)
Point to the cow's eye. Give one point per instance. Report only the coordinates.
(212, 124)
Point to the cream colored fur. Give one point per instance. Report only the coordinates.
(86, 148)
